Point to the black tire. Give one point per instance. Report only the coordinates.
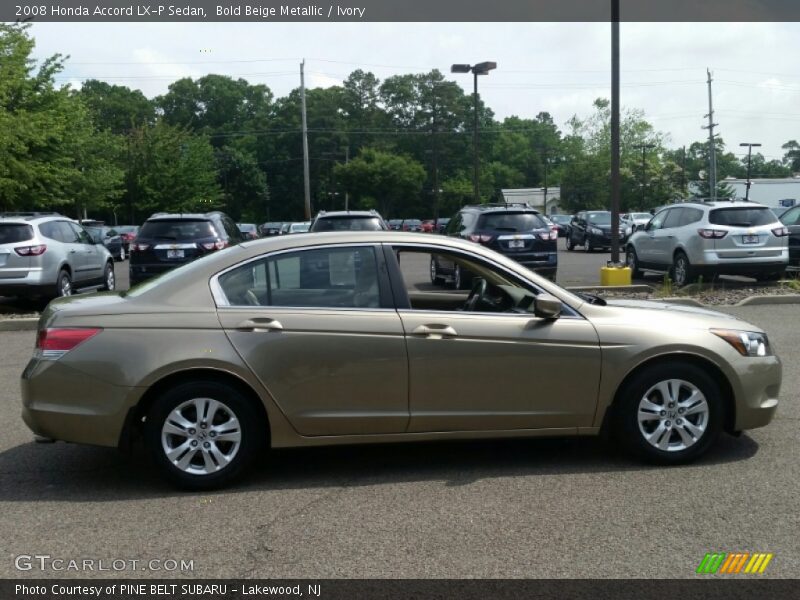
(626, 409)
(587, 245)
(632, 261)
(63, 284)
(436, 279)
(252, 428)
(122, 253)
(460, 280)
(109, 278)
(570, 243)
(682, 273)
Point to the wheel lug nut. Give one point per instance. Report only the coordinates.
(212, 434)
(681, 411)
(668, 423)
(679, 421)
(206, 445)
(202, 425)
(663, 413)
(672, 405)
(194, 442)
(192, 432)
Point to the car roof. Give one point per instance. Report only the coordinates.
(173, 216)
(347, 213)
(33, 219)
(498, 207)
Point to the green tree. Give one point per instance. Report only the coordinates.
(170, 170)
(116, 108)
(382, 180)
(792, 156)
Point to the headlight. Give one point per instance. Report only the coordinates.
(747, 343)
(596, 231)
(628, 231)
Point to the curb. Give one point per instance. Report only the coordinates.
(27, 324)
(761, 300)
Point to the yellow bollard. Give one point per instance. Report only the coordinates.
(615, 276)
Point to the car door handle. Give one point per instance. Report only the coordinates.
(259, 324)
(435, 330)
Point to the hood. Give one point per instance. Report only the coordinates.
(681, 308)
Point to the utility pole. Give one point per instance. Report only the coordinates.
(643, 184)
(749, 155)
(306, 174)
(712, 175)
(615, 178)
(346, 194)
(544, 163)
(683, 174)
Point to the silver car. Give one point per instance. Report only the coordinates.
(691, 239)
(48, 255)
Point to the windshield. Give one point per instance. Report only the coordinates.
(348, 224)
(513, 222)
(599, 218)
(742, 217)
(300, 227)
(177, 229)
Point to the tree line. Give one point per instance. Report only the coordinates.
(402, 145)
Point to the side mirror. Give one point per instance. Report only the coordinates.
(546, 306)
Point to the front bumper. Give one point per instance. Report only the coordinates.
(58, 404)
(758, 384)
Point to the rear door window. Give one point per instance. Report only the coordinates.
(67, 233)
(11, 233)
(742, 217)
(673, 218)
(82, 236)
(791, 217)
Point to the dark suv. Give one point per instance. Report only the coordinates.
(166, 241)
(592, 230)
(516, 230)
(348, 220)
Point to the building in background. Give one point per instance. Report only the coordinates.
(769, 192)
(535, 197)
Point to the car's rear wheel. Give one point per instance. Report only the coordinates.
(460, 281)
(109, 280)
(669, 413)
(63, 284)
(203, 434)
(632, 261)
(682, 271)
(436, 279)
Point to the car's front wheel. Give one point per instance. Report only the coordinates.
(122, 254)
(436, 279)
(109, 280)
(203, 434)
(63, 284)
(669, 413)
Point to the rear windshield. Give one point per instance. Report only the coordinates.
(742, 217)
(412, 222)
(348, 224)
(513, 222)
(177, 229)
(599, 218)
(11, 233)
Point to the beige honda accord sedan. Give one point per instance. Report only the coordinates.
(348, 338)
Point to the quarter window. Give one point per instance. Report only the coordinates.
(673, 218)
(319, 278)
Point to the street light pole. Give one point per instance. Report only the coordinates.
(749, 155)
(645, 148)
(478, 69)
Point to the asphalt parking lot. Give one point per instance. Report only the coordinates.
(524, 508)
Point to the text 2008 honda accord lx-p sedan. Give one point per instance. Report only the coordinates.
(328, 339)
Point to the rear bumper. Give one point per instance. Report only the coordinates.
(741, 268)
(33, 283)
(56, 405)
(138, 272)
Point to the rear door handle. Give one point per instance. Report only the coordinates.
(435, 330)
(259, 324)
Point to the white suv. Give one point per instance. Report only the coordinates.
(711, 238)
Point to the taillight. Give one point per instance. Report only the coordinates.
(214, 245)
(55, 343)
(31, 250)
(139, 247)
(781, 231)
(550, 235)
(712, 234)
(480, 238)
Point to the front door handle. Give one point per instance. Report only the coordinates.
(260, 324)
(435, 330)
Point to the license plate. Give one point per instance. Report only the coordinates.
(749, 239)
(516, 244)
(174, 253)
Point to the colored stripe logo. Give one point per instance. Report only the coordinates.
(734, 563)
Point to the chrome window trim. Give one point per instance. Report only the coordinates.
(221, 300)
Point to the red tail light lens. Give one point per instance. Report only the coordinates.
(481, 239)
(550, 235)
(139, 247)
(781, 231)
(55, 343)
(31, 250)
(215, 245)
(712, 234)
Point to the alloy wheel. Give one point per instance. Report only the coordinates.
(673, 415)
(679, 271)
(201, 436)
(65, 285)
(110, 279)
